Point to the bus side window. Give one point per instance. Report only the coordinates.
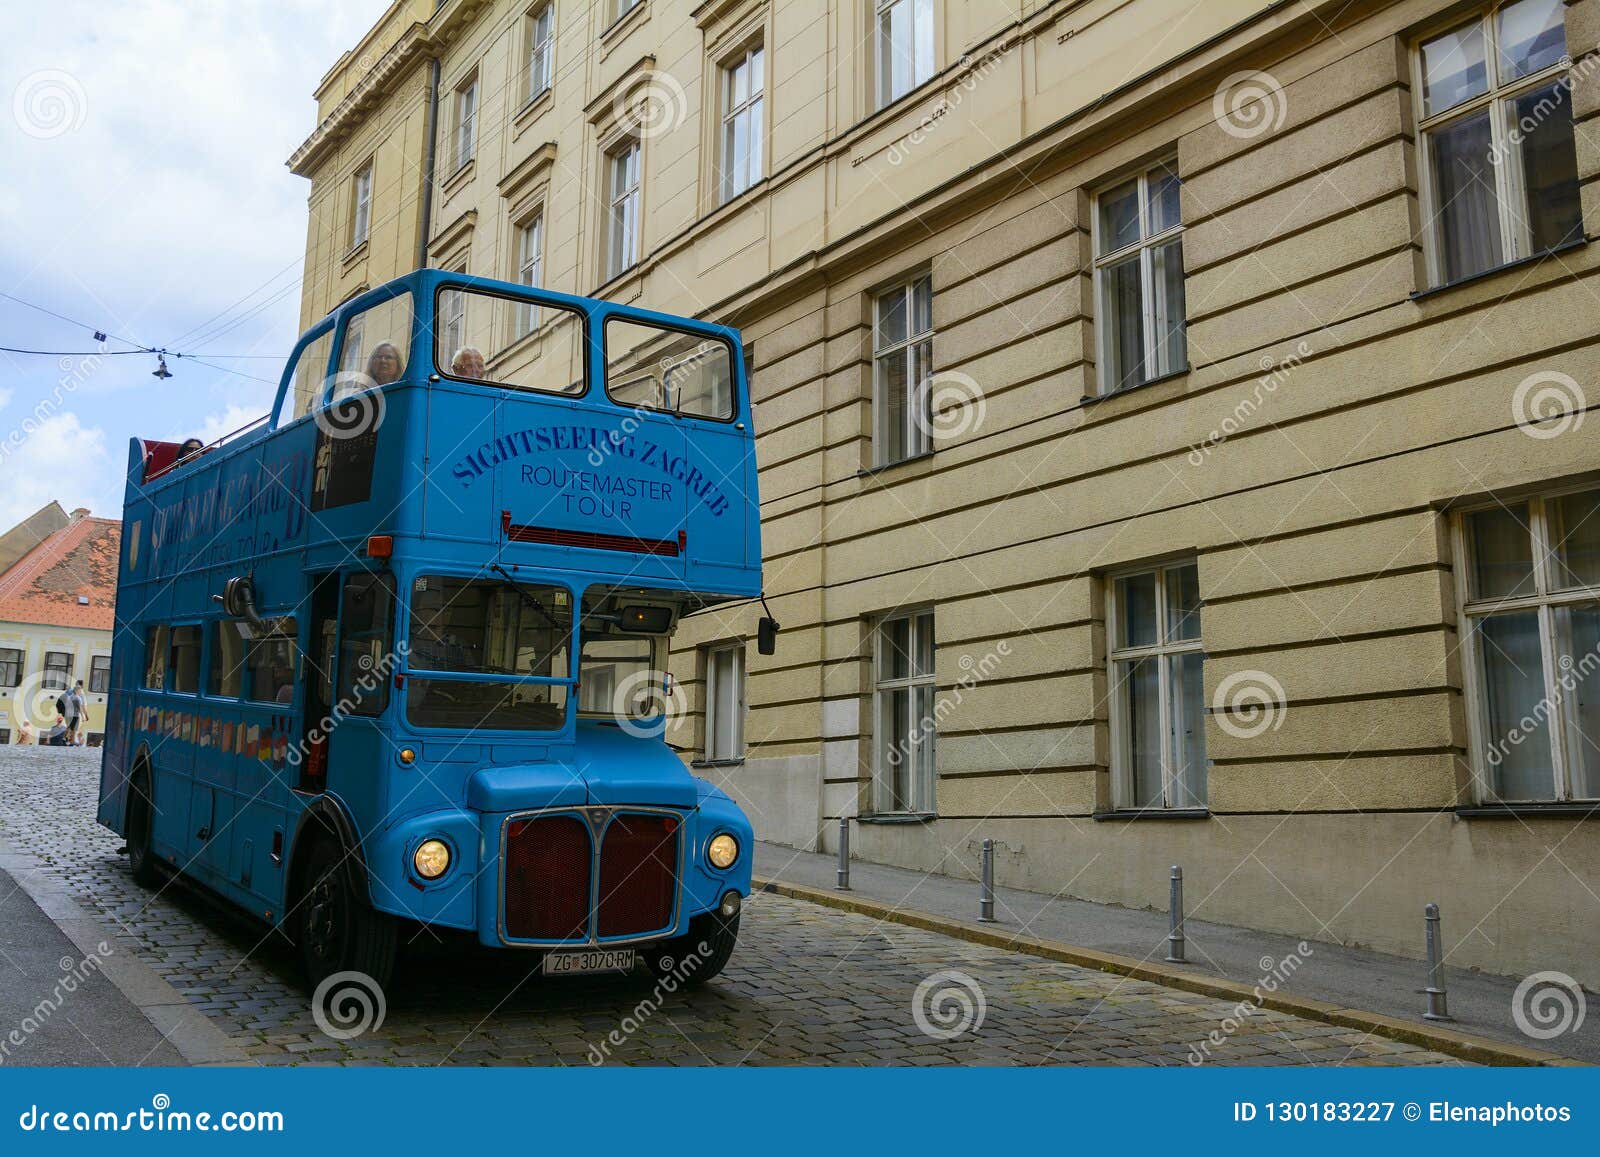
(155, 668)
(305, 386)
(366, 652)
(271, 660)
(226, 677)
(665, 369)
(185, 660)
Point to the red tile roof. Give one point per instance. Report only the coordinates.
(45, 585)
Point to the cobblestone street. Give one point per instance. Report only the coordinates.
(807, 985)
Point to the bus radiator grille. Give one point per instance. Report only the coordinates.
(547, 866)
(638, 875)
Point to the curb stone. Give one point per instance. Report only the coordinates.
(1467, 1046)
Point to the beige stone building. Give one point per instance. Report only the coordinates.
(1171, 415)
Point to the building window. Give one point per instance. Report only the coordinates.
(466, 121)
(902, 362)
(1501, 173)
(904, 30)
(1158, 754)
(100, 675)
(530, 245)
(361, 207)
(620, 8)
(1138, 264)
(57, 671)
(10, 666)
(904, 724)
(725, 702)
(452, 321)
(541, 49)
(622, 198)
(741, 122)
(1532, 616)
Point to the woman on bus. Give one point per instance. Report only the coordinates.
(385, 366)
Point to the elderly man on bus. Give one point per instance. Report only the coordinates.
(468, 363)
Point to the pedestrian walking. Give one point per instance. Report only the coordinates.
(67, 711)
(80, 734)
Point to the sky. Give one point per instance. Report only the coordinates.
(143, 194)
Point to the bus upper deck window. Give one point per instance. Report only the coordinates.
(306, 382)
(498, 339)
(668, 369)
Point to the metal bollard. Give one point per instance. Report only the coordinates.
(986, 884)
(1437, 1007)
(1175, 917)
(843, 884)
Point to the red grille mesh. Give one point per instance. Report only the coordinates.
(547, 863)
(638, 874)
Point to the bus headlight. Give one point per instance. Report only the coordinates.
(431, 859)
(723, 851)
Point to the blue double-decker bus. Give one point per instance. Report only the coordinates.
(397, 652)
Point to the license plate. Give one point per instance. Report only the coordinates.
(594, 960)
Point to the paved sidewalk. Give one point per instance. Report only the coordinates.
(57, 1006)
(1351, 978)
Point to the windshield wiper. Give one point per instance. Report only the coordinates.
(526, 597)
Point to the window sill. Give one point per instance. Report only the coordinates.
(871, 471)
(1124, 391)
(1471, 279)
(1519, 811)
(739, 762)
(890, 818)
(356, 253)
(1186, 813)
(531, 110)
(453, 183)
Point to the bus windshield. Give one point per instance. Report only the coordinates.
(479, 632)
(622, 672)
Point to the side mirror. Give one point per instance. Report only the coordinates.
(767, 636)
(238, 599)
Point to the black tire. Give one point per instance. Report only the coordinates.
(140, 820)
(698, 956)
(336, 928)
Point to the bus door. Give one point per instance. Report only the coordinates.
(358, 750)
(320, 659)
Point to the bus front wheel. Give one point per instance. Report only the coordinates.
(701, 954)
(337, 929)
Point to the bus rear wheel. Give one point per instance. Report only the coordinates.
(699, 955)
(140, 820)
(337, 929)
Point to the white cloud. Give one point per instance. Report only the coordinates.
(62, 459)
(5, 397)
(231, 419)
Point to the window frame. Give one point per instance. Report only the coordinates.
(1515, 241)
(17, 665)
(45, 669)
(1145, 245)
(361, 205)
(924, 793)
(1546, 599)
(539, 59)
(622, 245)
(99, 666)
(464, 122)
(919, 399)
(754, 107)
(530, 269)
(922, 71)
(737, 706)
(1123, 789)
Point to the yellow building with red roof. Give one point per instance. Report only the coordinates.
(57, 613)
